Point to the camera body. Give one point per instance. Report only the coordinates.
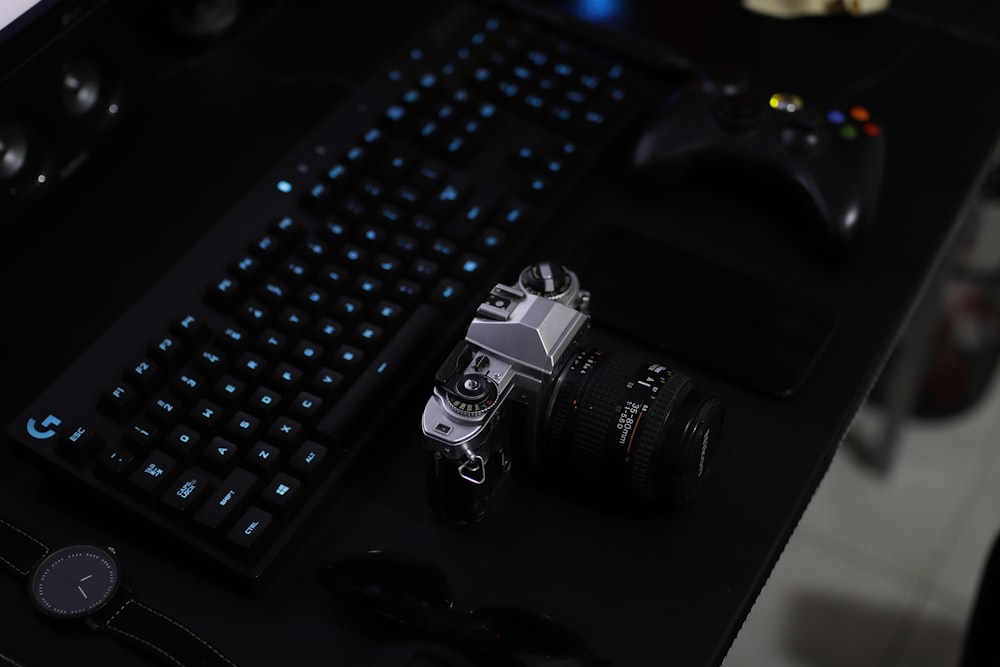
(524, 385)
(491, 388)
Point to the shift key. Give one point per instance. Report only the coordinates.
(229, 498)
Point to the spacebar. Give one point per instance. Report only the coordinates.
(397, 354)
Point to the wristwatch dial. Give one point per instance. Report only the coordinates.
(74, 581)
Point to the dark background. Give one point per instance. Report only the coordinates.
(204, 123)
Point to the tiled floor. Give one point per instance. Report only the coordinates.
(883, 569)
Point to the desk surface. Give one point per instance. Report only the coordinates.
(669, 589)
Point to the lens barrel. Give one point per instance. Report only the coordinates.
(638, 427)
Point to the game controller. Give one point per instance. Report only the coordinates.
(834, 155)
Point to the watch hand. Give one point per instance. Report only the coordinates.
(80, 588)
(87, 577)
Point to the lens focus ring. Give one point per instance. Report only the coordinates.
(629, 424)
(643, 481)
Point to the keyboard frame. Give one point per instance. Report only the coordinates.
(128, 337)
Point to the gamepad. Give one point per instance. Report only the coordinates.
(834, 155)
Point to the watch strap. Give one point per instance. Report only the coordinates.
(19, 551)
(156, 632)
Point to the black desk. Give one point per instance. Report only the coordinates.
(673, 589)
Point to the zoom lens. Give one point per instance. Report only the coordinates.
(638, 427)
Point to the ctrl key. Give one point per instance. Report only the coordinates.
(249, 533)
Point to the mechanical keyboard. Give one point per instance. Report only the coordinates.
(224, 405)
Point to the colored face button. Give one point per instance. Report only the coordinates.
(871, 129)
(836, 117)
(849, 132)
(860, 114)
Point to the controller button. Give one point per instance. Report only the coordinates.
(849, 132)
(836, 117)
(871, 129)
(860, 114)
(804, 132)
(785, 102)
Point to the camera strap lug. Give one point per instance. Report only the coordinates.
(473, 469)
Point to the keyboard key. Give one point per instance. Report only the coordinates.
(286, 378)
(282, 493)
(114, 464)
(249, 532)
(306, 407)
(141, 435)
(285, 432)
(187, 490)
(223, 293)
(308, 459)
(242, 427)
(144, 375)
(119, 401)
(168, 351)
(227, 500)
(307, 354)
(271, 343)
(327, 382)
(228, 390)
(187, 385)
(191, 329)
(152, 474)
(80, 444)
(264, 402)
(163, 410)
(447, 292)
(206, 416)
(263, 457)
(219, 454)
(348, 359)
(210, 361)
(368, 336)
(182, 442)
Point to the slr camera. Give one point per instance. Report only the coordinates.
(525, 386)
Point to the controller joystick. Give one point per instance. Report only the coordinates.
(834, 156)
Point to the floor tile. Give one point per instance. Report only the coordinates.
(882, 569)
(819, 610)
(962, 566)
(935, 641)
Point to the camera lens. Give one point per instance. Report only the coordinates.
(636, 426)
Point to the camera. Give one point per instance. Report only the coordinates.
(525, 387)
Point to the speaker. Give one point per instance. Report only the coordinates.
(58, 106)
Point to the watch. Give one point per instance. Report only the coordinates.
(83, 582)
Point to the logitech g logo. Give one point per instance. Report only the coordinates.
(43, 433)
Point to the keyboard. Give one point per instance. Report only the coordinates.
(226, 404)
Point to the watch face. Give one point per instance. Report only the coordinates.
(74, 581)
